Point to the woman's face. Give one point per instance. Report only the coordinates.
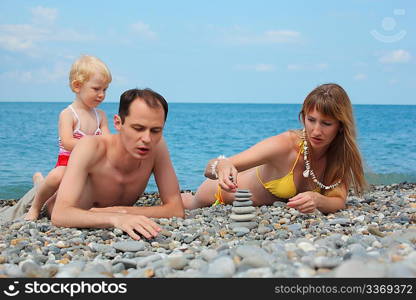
(320, 129)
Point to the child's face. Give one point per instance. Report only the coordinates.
(92, 92)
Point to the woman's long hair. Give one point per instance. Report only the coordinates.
(343, 157)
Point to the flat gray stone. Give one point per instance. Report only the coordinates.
(221, 267)
(208, 254)
(249, 225)
(242, 199)
(243, 210)
(177, 262)
(240, 231)
(95, 247)
(255, 261)
(256, 273)
(340, 221)
(129, 246)
(245, 217)
(242, 203)
(242, 195)
(143, 261)
(245, 251)
(262, 229)
(360, 268)
(326, 262)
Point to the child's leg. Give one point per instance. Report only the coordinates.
(37, 178)
(47, 188)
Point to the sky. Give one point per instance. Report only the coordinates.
(212, 51)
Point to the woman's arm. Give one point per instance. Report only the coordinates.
(271, 149)
(330, 202)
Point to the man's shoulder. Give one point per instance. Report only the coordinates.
(161, 147)
(95, 144)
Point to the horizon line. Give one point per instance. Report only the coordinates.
(206, 102)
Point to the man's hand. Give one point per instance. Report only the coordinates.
(304, 202)
(134, 224)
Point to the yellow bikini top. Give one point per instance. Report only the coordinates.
(284, 187)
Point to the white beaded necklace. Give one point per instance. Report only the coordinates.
(308, 170)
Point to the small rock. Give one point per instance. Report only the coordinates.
(221, 267)
(129, 246)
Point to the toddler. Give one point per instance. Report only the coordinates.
(89, 79)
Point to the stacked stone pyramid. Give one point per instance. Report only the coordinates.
(242, 210)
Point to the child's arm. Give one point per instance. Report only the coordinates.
(104, 123)
(66, 128)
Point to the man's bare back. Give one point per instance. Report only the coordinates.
(106, 174)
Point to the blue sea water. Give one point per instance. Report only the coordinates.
(196, 133)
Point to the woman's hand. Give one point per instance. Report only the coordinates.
(227, 175)
(304, 202)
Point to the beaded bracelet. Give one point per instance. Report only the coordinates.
(214, 165)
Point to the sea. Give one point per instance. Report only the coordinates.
(197, 132)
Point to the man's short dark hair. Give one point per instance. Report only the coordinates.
(150, 97)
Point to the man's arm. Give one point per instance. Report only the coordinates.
(167, 183)
(70, 211)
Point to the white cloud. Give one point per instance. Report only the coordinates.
(120, 80)
(44, 15)
(308, 67)
(28, 37)
(361, 64)
(322, 66)
(237, 35)
(360, 76)
(46, 74)
(143, 30)
(280, 36)
(397, 56)
(256, 67)
(20, 37)
(264, 68)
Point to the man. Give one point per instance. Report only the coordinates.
(105, 174)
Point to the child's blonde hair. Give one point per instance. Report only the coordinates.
(84, 67)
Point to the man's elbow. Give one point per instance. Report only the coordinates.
(177, 211)
(58, 219)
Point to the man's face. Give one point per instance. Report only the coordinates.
(142, 128)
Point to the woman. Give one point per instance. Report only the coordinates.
(311, 168)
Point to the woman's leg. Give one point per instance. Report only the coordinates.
(47, 188)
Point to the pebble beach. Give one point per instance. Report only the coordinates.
(375, 236)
